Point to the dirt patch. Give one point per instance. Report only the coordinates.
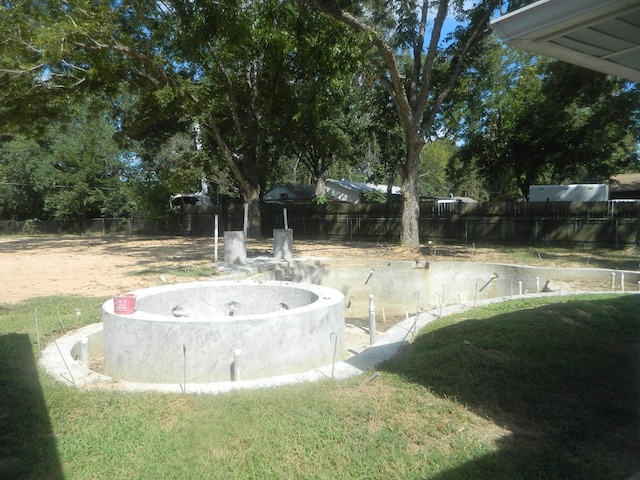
(106, 265)
(92, 266)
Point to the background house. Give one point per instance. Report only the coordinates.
(343, 191)
(289, 192)
(625, 186)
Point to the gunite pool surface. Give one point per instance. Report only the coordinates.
(194, 332)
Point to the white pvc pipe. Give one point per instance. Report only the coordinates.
(372, 320)
(84, 351)
(237, 354)
(246, 219)
(333, 336)
(184, 373)
(215, 238)
(286, 220)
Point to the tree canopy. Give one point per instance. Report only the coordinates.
(547, 122)
(225, 68)
(244, 92)
(74, 170)
(419, 65)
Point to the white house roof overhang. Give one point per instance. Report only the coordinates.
(602, 35)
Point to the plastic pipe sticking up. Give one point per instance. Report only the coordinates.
(245, 222)
(475, 296)
(372, 320)
(613, 280)
(622, 281)
(334, 338)
(215, 238)
(370, 275)
(441, 299)
(519, 287)
(372, 377)
(537, 284)
(286, 220)
(84, 351)
(184, 373)
(235, 367)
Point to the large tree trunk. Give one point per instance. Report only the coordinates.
(249, 179)
(245, 170)
(252, 198)
(320, 189)
(410, 229)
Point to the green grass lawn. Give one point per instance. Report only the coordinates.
(533, 389)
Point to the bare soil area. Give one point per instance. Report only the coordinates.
(105, 265)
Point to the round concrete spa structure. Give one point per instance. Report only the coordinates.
(205, 332)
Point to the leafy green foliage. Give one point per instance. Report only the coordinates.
(238, 71)
(434, 159)
(74, 171)
(320, 107)
(374, 196)
(26, 171)
(418, 69)
(548, 122)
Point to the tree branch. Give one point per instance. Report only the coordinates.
(479, 32)
(395, 83)
(427, 68)
(233, 104)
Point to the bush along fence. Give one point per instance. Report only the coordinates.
(614, 224)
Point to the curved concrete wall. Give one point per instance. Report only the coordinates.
(280, 328)
(404, 286)
(398, 286)
(469, 282)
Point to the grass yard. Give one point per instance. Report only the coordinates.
(537, 389)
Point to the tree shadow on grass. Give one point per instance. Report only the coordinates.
(27, 444)
(564, 379)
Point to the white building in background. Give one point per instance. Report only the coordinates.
(199, 199)
(569, 193)
(343, 191)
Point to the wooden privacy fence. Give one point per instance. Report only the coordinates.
(605, 223)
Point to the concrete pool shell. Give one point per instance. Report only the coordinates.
(212, 331)
(418, 291)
